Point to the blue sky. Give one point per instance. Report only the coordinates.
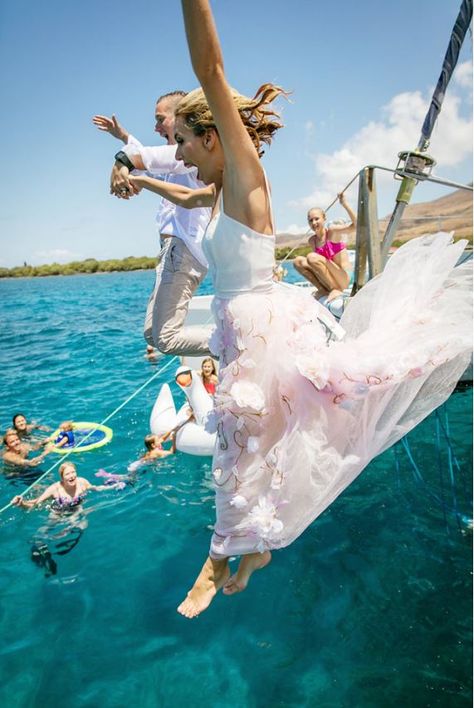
(361, 75)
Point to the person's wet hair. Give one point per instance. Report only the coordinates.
(9, 434)
(149, 442)
(64, 466)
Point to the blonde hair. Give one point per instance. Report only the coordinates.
(150, 442)
(323, 213)
(9, 434)
(63, 468)
(260, 120)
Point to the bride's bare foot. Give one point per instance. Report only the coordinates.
(213, 575)
(248, 564)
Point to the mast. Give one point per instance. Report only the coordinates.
(417, 163)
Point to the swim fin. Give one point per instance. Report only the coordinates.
(41, 556)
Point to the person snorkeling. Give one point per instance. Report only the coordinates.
(67, 496)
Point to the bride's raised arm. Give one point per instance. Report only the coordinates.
(208, 65)
(243, 180)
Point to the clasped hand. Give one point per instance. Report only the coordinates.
(121, 184)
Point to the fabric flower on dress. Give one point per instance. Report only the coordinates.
(314, 369)
(239, 501)
(272, 461)
(253, 444)
(248, 395)
(262, 519)
(217, 473)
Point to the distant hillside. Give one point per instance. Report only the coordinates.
(90, 265)
(450, 213)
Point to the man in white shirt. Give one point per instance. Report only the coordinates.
(182, 265)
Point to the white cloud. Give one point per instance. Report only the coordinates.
(399, 128)
(463, 75)
(56, 255)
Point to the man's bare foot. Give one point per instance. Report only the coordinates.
(213, 575)
(248, 564)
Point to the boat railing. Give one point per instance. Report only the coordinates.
(371, 250)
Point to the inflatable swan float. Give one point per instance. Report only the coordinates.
(191, 437)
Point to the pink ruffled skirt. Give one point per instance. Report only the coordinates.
(298, 417)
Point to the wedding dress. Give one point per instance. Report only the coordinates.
(302, 408)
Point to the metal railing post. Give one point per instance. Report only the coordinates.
(373, 237)
(360, 264)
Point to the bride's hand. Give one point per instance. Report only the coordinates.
(136, 183)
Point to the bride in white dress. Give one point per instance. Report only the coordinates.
(299, 410)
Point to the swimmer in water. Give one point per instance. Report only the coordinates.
(23, 428)
(68, 493)
(17, 452)
(66, 435)
(154, 446)
(151, 353)
(154, 451)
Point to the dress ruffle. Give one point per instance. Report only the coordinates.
(298, 417)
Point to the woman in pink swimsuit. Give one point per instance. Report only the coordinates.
(327, 267)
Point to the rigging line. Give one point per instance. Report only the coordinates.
(419, 477)
(451, 474)
(431, 178)
(440, 468)
(109, 417)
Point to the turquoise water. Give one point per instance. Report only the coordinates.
(371, 607)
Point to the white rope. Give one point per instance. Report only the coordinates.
(91, 432)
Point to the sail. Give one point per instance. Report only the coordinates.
(449, 64)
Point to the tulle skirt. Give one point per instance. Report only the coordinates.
(299, 414)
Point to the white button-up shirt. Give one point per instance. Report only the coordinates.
(172, 220)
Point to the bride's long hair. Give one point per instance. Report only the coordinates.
(260, 119)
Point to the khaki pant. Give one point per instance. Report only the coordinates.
(178, 275)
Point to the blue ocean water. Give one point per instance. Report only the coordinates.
(370, 607)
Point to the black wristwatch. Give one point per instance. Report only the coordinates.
(123, 158)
